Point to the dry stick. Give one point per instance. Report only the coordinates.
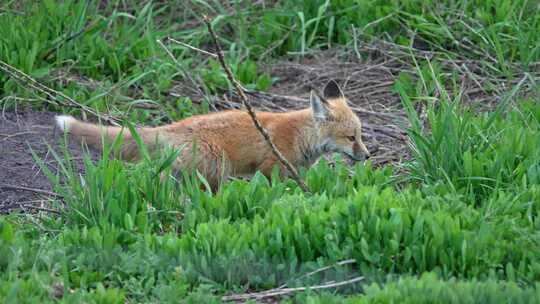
(37, 208)
(192, 47)
(41, 191)
(285, 291)
(51, 94)
(8, 136)
(183, 70)
(341, 263)
(250, 111)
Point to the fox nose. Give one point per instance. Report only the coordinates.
(365, 156)
(360, 151)
(363, 150)
(370, 153)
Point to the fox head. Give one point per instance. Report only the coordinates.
(340, 130)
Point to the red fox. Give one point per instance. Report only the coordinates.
(227, 144)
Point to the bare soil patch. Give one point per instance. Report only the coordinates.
(23, 185)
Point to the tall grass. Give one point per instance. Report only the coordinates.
(477, 154)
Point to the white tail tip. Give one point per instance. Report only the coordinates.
(64, 122)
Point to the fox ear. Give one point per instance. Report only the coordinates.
(319, 107)
(333, 91)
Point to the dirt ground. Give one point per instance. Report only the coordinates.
(23, 185)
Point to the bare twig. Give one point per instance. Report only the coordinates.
(35, 190)
(184, 72)
(37, 208)
(245, 101)
(192, 47)
(340, 263)
(285, 291)
(26, 80)
(8, 136)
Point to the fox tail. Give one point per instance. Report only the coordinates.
(97, 136)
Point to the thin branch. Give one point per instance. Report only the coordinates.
(341, 263)
(245, 101)
(192, 47)
(285, 291)
(26, 80)
(8, 136)
(35, 190)
(37, 208)
(184, 72)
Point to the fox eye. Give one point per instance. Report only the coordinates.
(351, 138)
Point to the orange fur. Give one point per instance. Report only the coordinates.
(229, 138)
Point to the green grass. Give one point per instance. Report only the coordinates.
(461, 224)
